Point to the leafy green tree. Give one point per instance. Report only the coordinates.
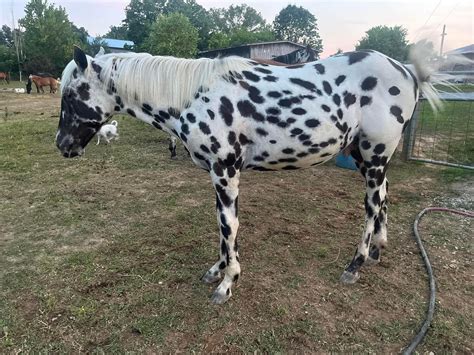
(236, 17)
(81, 34)
(173, 35)
(239, 37)
(197, 15)
(117, 32)
(390, 41)
(237, 25)
(243, 36)
(8, 59)
(218, 40)
(94, 47)
(296, 24)
(139, 16)
(48, 37)
(6, 36)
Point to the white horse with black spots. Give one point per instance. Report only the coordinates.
(234, 114)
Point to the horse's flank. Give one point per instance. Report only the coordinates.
(41, 81)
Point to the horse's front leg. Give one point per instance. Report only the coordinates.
(172, 146)
(227, 191)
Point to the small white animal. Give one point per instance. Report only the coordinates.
(108, 132)
(19, 90)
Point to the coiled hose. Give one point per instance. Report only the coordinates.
(429, 315)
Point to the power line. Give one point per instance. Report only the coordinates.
(443, 21)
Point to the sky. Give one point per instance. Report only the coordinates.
(342, 23)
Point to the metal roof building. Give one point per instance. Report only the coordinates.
(114, 45)
(264, 50)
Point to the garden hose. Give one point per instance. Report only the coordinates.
(429, 316)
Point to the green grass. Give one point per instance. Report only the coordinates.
(104, 253)
(447, 135)
(456, 88)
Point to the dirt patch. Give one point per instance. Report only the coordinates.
(20, 106)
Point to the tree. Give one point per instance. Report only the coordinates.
(117, 32)
(218, 40)
(238, 25)
(48, 37)
(139, 16)
(197, 15)
(172, 35)
(390, 41)
(8, 59)
(80, 33)
(296, 24)
(6, 36)
(93, 47)
(236, 17)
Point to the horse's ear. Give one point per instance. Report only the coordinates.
(80, 58)
(100, 52)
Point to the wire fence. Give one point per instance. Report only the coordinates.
(445, 138)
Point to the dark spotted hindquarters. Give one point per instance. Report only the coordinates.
(303, 116)
(274, 118)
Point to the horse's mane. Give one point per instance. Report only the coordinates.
(161, 81)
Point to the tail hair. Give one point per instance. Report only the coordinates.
(428, 74)
(115, 123)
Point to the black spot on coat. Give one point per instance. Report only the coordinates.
(369, 83)
(340, 79)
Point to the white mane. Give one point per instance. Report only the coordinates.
(160, 81)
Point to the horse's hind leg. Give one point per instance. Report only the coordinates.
(379, 241)
(372, 158)
(226, 184)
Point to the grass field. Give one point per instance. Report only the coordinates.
(104, 253)
(447, 136)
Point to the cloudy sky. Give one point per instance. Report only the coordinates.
(341, 22)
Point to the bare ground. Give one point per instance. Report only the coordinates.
(104, 253)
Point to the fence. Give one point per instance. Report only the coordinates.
(445, 138)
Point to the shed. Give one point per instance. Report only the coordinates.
(114, 45)
(264, 50)
(463, 71)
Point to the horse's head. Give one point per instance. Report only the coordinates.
(85, 105)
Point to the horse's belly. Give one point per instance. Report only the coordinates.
(291, 149)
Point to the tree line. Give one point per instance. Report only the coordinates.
(180, 28)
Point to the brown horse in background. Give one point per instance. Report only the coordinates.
(5, 77)
(47, 81)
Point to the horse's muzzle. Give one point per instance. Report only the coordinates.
(69, 150)
(72, 154)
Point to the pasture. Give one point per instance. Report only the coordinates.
(104, 253)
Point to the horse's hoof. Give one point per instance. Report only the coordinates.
(220, 297)
(210, 278)
(371, 261)
(349, 278)
(174, 157)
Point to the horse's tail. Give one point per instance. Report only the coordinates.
(115, 123)
(428, 75)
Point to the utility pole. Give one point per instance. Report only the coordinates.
(16, 41)
(442, 41)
